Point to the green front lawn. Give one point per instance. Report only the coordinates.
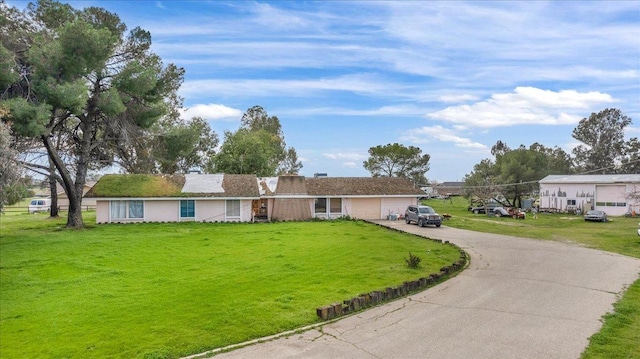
(169, 290)
(620, 334)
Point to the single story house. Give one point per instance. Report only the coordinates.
(609, 193)
(125, 198)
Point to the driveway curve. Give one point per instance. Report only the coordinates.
(519, 298)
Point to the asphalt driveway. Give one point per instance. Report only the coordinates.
(519, 298)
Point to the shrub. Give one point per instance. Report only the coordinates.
(413, 262)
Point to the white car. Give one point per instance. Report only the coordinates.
(40, 204)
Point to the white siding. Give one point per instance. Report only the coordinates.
(162, 211)
(209, 211)
(365, 208)
(606, 197)
(611, 199)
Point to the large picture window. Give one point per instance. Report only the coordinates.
(233, 208)
(187, 208)
(328, 207)
(133, 209)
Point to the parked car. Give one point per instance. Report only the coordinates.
(40, 204)
(483, 209)
(422, 216)
(594, 215)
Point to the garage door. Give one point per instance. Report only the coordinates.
(396, 205)
(365, 208)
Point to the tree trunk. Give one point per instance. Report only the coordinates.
(53, 188)
(74, 217)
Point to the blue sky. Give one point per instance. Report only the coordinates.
(450, 77)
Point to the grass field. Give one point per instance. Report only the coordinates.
(620, 334)
(169, 290)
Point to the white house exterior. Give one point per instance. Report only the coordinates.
(244, 198)
(609, 193)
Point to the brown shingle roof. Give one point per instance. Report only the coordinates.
(361, 186)
(291, 185)
(240, 186)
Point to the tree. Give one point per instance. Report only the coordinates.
(631, 161)
(396, 160)
(246, 151)
(290, 163)
(558, 161)
(187, 146)
(603, 144)
(82, 76)
(10, 173)
(515, 172)
(257, 147)
(519, 170)
(256, 119)
(480, 184)
(168, 147)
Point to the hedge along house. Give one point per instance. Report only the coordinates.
(609, 193)
(243, 198)
(174, 198)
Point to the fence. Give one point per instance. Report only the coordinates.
(64, 208)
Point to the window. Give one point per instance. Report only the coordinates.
(187, 208)
(611, 204)
(321, 205)
(118, 209)
(233, 208)
(335, 205)
(328, 206)
(571, 202)
(127, 209)
(136, 209)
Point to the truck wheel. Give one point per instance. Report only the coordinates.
(420, 223)
(406, 220)
(438, 225)
(475, 211)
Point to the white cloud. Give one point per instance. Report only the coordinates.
(457, 98)
(396, 110)
(363, 84)
(439, 133)
(348, 156)
(526, 105)
(212, 112)
(271, 17)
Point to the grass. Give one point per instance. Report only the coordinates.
(169, 290)
(620, 333)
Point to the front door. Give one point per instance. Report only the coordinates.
(259, 209)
